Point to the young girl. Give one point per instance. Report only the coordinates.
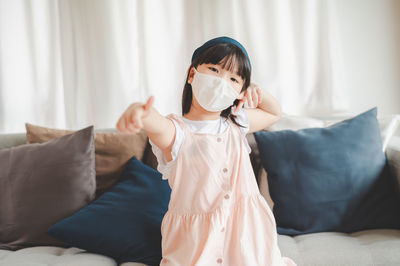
(216, 214)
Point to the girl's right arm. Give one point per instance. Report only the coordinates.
(158, 128)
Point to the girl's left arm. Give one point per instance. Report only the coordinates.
(266, 109)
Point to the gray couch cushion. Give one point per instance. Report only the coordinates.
(393, 157)
(49, 256)
(364, 248)
(43, 183)
(12, 140)
(112, 151)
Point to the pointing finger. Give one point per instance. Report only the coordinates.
(149, 103)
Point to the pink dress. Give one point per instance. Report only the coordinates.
(216, 214)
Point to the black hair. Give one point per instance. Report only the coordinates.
(226, 55)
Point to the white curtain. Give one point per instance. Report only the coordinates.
(74, 63)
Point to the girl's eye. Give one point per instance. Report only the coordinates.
(213, 69)
(234, 80)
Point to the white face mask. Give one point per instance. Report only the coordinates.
(213, 93)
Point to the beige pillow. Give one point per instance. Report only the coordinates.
(112, 151)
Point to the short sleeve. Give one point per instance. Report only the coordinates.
(163, 166)
(242, 118)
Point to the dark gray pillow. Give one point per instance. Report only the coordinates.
(41, 184)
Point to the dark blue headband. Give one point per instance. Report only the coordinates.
(217, 40)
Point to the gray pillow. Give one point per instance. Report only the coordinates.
(41, 184)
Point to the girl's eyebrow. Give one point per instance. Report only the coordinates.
(237, 73)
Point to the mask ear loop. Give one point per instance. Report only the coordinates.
(195, 72)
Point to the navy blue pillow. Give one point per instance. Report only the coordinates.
(125, 222)
(330, 179)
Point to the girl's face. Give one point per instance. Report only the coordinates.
(231, 76)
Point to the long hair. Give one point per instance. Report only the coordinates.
(227, 55)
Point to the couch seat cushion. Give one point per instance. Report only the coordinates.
(367, 247)
(49, 255)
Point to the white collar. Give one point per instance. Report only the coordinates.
(202, 121)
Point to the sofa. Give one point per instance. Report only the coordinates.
(366, 247)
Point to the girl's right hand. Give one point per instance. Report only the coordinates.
(131, 119)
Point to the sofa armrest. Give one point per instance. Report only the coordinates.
(393, 157)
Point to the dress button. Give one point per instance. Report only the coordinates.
(226, 196)
(219, 139)
(225, 170)
(219, 260)
(223, 229)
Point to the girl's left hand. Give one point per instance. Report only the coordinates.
(252, 96)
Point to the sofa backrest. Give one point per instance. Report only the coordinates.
(389, 125)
